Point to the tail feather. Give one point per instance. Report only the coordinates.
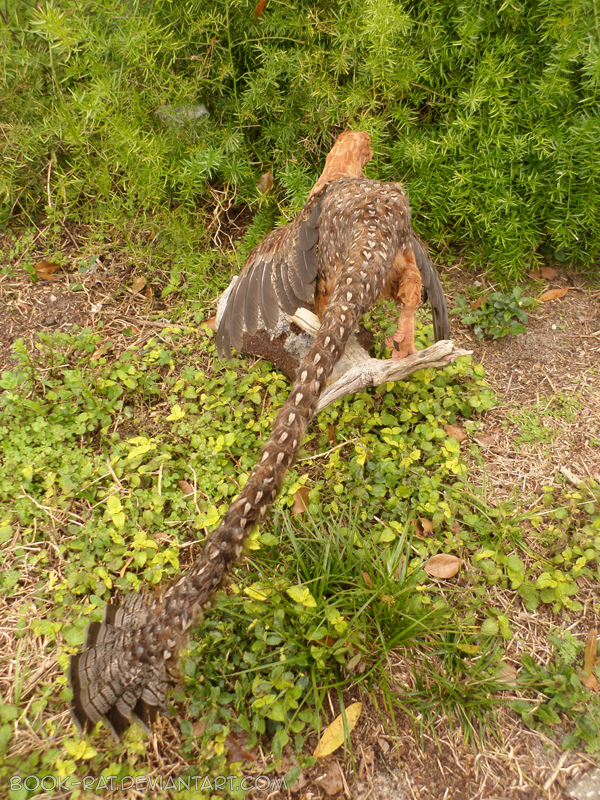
(129, 660)
(434, 291)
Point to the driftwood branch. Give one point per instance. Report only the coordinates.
(365, 371)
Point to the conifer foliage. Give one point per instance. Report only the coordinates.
(487, 110)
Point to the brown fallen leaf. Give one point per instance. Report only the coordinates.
(265, 182)
(367, 579)
(477, 303)
(331, 434)
(548, 273)
(422, 527)
(554, 294)
(301, 501)
(331, 782)
(186, 487)
(260, 7)
(326, 641)
(507, 674)
(456, 432)
(535, 274)
(44, 271)
(210, 323)
(138, 285)
(443, 565)
(236, 748)
(485, 439)
(199, 727)
(590, 681)
(334, 735)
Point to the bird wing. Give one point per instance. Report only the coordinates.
(280, 272)
(434, 291)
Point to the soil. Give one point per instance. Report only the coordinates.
(558, 357)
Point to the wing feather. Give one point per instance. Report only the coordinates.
(255, 276)
(280, 272)
(434, 292)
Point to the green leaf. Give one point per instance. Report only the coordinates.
(177, 413)
(302, 595)
(489, 627)
(516, 570)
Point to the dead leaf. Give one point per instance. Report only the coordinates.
(331, 782)
(456, 432)
(44, 271)
(210, 323)
(367, 579)
(443, 565)
(507, 674)
(549, 273)
(422, 527)
(554, 294)
(590, 681)
(334, 735)
(260, 7)
(535, 274)
(301, 501)
(485, 439)
(326, 641)
(186, 487)
(199, 727)
(477, 303)
(331, 434)
(138, 285)
(236, 748)
(265, 182)
(384, 745)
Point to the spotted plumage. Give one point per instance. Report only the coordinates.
(352, 242)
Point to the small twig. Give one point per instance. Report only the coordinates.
(195, 489)
(554, 775)
(70, 235)
(48, 174)
(112, 472)
(327, 452)
(576, 481)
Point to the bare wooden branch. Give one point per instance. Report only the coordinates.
(356, 370)
(365, 371)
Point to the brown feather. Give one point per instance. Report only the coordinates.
(127, 666)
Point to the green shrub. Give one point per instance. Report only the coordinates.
(489, 112)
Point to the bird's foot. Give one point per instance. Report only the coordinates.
(401, 346)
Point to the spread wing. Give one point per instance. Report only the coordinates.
(433, 292)
(280, 272)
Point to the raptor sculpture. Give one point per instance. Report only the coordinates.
(352, 242)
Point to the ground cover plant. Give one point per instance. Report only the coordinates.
(105, 487)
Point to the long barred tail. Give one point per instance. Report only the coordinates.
(128, 660)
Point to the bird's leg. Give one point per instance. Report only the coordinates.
(404, 288)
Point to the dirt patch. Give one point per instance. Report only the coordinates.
(547, 382)
(110, 291)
